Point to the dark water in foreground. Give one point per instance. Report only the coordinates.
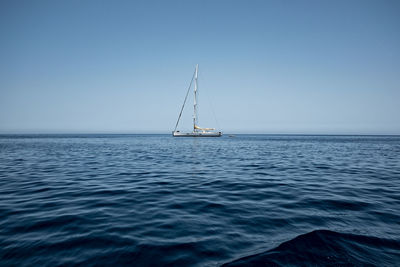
(157, 200)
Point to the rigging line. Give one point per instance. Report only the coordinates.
(212, 110)
(187, 93)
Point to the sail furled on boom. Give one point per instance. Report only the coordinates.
(204, 129)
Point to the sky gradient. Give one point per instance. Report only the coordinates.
(305, 67)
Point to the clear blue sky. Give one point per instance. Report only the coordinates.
(265, 66)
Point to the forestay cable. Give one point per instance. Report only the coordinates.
(187, 93)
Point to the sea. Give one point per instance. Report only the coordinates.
(242, 200)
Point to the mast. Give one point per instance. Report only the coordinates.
(195, 98)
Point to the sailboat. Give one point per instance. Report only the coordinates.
(197, 130)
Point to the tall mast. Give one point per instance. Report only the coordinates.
(195, 98)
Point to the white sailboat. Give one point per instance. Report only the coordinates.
(197, 130)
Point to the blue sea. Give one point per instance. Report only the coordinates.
(155, 200)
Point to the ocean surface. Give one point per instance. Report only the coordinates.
(155, 200)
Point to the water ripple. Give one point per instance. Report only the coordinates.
(156, 200)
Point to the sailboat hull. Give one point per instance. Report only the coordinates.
(197, 134)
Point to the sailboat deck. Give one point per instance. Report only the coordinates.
(197, 134)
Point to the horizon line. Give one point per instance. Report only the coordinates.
(164, 133)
